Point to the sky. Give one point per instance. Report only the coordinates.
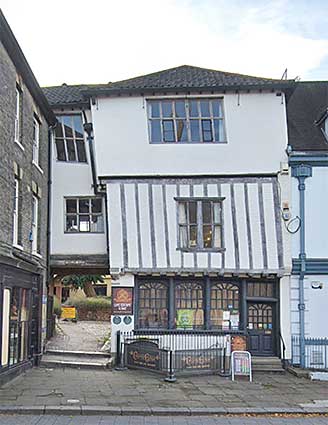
(97, 41)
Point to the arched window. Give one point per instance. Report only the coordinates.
(153, 305)
(224, 312)
(189, 299)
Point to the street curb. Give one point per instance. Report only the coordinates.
(159, 411)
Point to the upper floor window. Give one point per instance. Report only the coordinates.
(16, 213)
(70, 144)
(35, 225)
(18, 114)
(36, 140)
(84, 215)
(200, 224)
(186, 121)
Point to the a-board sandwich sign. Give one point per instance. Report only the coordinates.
(241, 364)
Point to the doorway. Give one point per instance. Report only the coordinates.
(261, 328)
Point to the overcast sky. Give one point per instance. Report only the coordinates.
(96, 41)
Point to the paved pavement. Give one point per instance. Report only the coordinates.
(153, 420)
(144, 391)
(80, 336)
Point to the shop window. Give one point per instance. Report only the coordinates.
(189, 298)
(5, 326)
(224, 313)
(200, 224)
(260, 289)
(153, 305)
(14, 327)
(24, 324)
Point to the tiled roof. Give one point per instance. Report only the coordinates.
(68, 95)
(307, 104)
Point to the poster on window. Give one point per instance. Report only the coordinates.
(122, 301)
(185, 318)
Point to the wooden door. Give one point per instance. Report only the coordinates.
(261, 329)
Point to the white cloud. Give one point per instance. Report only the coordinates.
(105, 40)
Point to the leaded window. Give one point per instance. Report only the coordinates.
(153, 305)
(84, 215)
(260, 289)
(189, 303)
(70, 143)
(224, 309)
(200, 224)
(186, 120)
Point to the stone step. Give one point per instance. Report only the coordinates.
(95, 354)
(267, 365)
(71, 361)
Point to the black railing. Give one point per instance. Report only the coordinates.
(283, 357)
(316, 352)
(51, 317)
(174, 351)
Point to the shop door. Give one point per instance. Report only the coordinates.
(261, 329)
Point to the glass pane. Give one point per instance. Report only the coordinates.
(205, 108)
(183, 237)
(154, 109)
(61, 154)
(84, 206)
(77, 121)
(193, 108)
(217, 237)
(71, 206)
(182, 135)
(180, 109)
(216, 108)
(207, 236)
(96, 205)
(182, 212)
(167, 110)
(59, 129)
(81, 151)
(155, 131)
(71, 223)
(207, 131)
(97, 223)
(218, 129)
(71, 150)
(194, 128)
(206, 208)
(67, 122)
(217, 212)
(192, 212)
(84, 224)
(168, 131)
(193, 236)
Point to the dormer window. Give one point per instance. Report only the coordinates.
(186, 121)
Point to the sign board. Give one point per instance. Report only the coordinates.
(68, 312)
(202, 359)
(241, 364)
(238, 343)
(122, 301)
(143, 354)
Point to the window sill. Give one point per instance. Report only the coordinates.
(83, 233)
(36, 254)
(201, 249)
(18, 247)
(37, 166)
(20, 145)
(71, 162)
(224, 142)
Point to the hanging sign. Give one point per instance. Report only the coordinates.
(241, 364)
(122, 301)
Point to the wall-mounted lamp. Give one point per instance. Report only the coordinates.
(316, 285)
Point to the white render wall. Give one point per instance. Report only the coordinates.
(256, 135)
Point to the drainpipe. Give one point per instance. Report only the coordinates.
(49, 186)
(301, 172)
(88, 128)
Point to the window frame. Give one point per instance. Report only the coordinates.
(138, 298)
(16, 212)
(74, 139)
(200, 224)
(188, 119)
(36, 141)
(18, 110)
(35, 224)
(89, 214)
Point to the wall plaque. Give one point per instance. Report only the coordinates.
(143, 354)
(122, 300)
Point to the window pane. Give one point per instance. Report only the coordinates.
(216, 107)
(155, 129)
(194, 128)
(168, 131)
(84, 206)
(97, 223)
(189, 305)
(192, 236)
(182, 131)
(206, 208)
(153, 305)
(193, 108)
(192, 212)
(207, 131)
(71, 223)
(81, 151)
(154, 109)
(167, 109)
(218, 129)
(182, 213)
(61, 154)
(71, 150)
(67, 121)
(71, 206)
(217, 237)
(207, 236)
(205, 108)
(183, 237)
(59, 130)
(96, 205)
(77, 120)
(217, 212)
(180, 109)
(84, 223)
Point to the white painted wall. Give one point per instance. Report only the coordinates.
(255, 128)
(71, 179)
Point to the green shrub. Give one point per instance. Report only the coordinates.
(92, 303)
(57, 306)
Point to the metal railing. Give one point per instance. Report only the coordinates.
(316, 352)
